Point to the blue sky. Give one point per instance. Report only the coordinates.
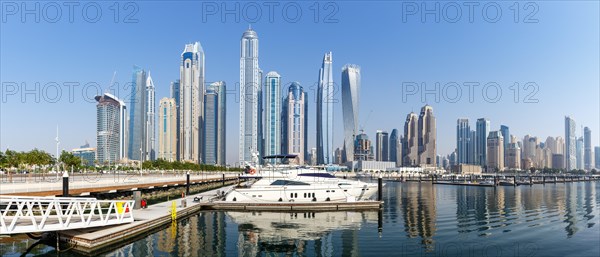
(559, 53)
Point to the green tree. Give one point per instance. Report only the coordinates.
(13, 158)
(69, 160)
(2, 160)
(38, 157)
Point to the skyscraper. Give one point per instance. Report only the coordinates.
(550, 143)
(324, 117)
(597, 156)
(211, 123)
(482, 129)
(150, 120)
(363, 148)
(382, 146)
(395, 148)
(495, 148)
(530, 144)
(219, 87)
(427, 137)
(570, 158)
(138, 116)
(167, 129)
(560, 145)
(338, 156)
(506, 135)
(191, 89)
(272, 114)
(463, 139)
(175, 93)
(558, 161)
(250, 97)
(514, 156)
(410, 145)
(295, 122)
(579, 153)
(350, 98)
(111, 126)
(472, 149)
(587, 148)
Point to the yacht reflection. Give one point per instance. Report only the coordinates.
(290, 232)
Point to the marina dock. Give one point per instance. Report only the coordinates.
(94, 241)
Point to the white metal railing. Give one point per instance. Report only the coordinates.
(97, 180)
(21, 214)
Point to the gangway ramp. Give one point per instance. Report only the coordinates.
(25, 214)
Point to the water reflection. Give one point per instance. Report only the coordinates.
(418, 208)
(503, 213)
(200, 235)
(417, 219)
(289, 233)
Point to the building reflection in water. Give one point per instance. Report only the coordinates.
(480, 210)
(198, 235)
(298, 233)
(417, 202)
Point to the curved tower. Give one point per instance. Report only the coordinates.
(350, 89)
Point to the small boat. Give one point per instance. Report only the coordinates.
(487, 182)
(524, 183)
(506, 183)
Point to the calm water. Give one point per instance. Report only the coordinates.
(417, 220)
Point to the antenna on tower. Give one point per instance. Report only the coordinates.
(57, 144)
(111, 82)
(362, 126)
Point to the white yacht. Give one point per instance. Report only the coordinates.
(288, 183)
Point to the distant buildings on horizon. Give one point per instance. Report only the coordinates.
(505, 152)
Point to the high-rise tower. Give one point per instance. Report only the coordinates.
(350, 98)
(482, 130)
(191, 90)
(427, 137)
(570, 141)
(138, 129)
(410, 145)
(325, 101)
(250, 97)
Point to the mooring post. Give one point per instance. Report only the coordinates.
(187, 184)
(137, 197)
(379, 188)
(380, 221)
(530, 181)
(66, 184)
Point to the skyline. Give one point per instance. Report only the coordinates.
(375, 75)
